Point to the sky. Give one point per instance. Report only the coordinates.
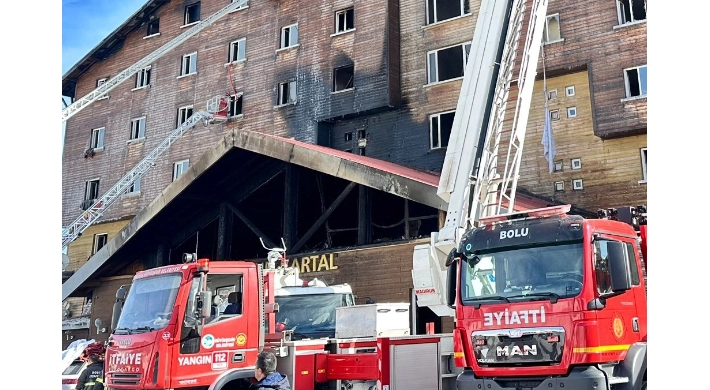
(86, 22)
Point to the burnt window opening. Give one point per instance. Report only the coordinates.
(237, 50)
(183, 114)
(630, 11)
(143, 77)
(192, 13)
(635, 80)
(361, 134)
(135, 187)
(551, 33)
(99, 241)
(189, 64)
(348, 136)
(153, 27)
(343, 78)
(91, 190)
(287, 93)
(137, 128)
(344, 20)
(97, 138)
(440, 126)
(235, 105)
(440, 10)
(448, 63)
(289, 36)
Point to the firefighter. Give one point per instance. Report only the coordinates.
(266, 375)
(92, 378)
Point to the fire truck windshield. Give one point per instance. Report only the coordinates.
(542, 272)
(149, 304)
(310, 316)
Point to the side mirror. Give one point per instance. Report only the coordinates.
(204, 304)
(118, 306)
(618, 267)
(452, 266)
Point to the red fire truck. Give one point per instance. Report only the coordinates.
(544, 299)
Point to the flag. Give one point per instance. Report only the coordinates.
(548, 141)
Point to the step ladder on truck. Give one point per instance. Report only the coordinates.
(165, 336)
(541, 298)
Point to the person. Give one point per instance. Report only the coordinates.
(266, 375)
(92, 378)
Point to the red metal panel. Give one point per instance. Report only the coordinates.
(360, 366)
(321, 368)
(304, 375)
(383, 351)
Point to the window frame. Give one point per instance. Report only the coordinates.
(135, 187)
(554, 115)
(143, 78)
(576, 163)
(154, 24)
(559, 186)
(137, 131)
(641, 81)
(546, 32)
(438, 116)
(95, 246)
(187, 20)
(557, 166)
(621, 17)
(572, 112)
(569, 90)
(465, 52)
(577, 184)
(97, 143)
(550, 93)
(235, 99)
(337, 27)
(89, 189)
(291, 91)
(182, 166)
(350, 84)
(183, 111)
(187, 63)
(290, 44)
(99, 82)
(644, 167)
(241, 48)
(431, 17)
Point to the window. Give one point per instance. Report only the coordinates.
(348, 136)
(189, 64)
(552, 94)
(99, 242)
(344, 20)
(227, 291)
(633, 266)
(576, 163)
(571, 112)
(343, 78)
(135, 187)
(287, 93)
(235, 105)
(601, 265)
(99, 83)
(138, 128)
(91, 193)
(183, 114)
(361, 134)
(237, 50)
(552, 29)
(569, 90)
(440, 129)
(635, 80)
(557, 166)
(179, 168)
(289, 36)
(192, 13)
(97, 138)
(143, 78)
(554, 115)
(439, 10)
(559, 186)
(644, 160)
(577, 184)
(448, 63)
(630, 11)
(153, 27)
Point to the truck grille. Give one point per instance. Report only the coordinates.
(519, 347)
(124, 379)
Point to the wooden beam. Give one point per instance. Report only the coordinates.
(251, 226)
(322, 218)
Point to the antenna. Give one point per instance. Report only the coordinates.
(197, 240)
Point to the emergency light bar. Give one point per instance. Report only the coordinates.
(536, 213)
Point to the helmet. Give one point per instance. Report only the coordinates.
(96, 348)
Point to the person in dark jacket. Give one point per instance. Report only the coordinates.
(266, 375)
(92, 377)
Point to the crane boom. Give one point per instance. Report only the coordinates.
(471, 180)
(122, 76)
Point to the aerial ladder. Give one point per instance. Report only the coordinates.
(480, 172)
(216, 112)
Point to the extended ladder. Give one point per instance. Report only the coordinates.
(113, 82)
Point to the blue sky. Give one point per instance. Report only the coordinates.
(86, 22)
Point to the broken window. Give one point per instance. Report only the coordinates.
(143, 77)
(192, 13)
(237, 50)
(439, 10)
(440, 129)
(348, 136)
(644, 160)
(551, 33)
(287, 93)
(343, 78)
(99, 241)
(153, 27)
(183, 114)
(344, 20)
(97, 138)
(235, 105)
(189, 64)
(630, 11)
(179, 168)
(138, 128)
(135, 187)
(91, 190)
(448, 63)
(289, 36)
(635, 80)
